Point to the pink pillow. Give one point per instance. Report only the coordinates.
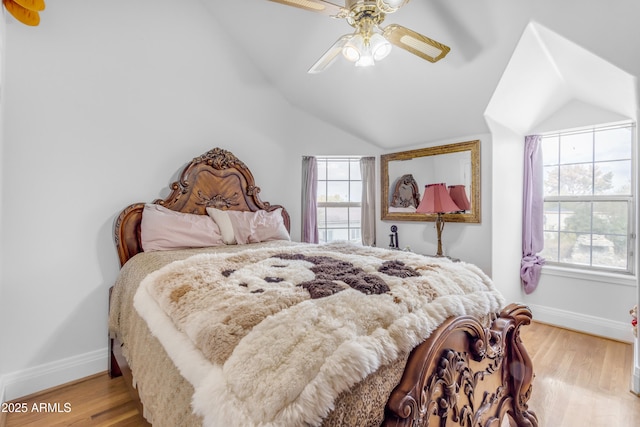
(163, 229)
(254, 227)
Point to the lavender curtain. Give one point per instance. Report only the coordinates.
(367, 207)
(532, 215)
(309, 199)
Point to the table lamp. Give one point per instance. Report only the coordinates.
(436, 200)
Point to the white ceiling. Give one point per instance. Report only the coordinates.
(404, 100)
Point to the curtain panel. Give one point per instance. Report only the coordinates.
(532, 215)
(309, 199)
(368, 203)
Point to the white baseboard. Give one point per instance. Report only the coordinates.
(2, 399)
(31, 380)
(620, 331)
(635, 381)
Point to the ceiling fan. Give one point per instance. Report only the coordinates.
(370, 42)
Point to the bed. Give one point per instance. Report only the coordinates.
(295, 361)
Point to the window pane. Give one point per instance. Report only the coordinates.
(570, 250)
(322, 217)
(337, 217)
(613, 177)
(337, 234)
(322, 191)
(354, 169)
(355, 195)
(322, 169)
(576, 148)
(575, 216)
(338, 191)
(550, 251)
(576, 180)
(610, 218)
(354, 217)
(551, 180)
(337, 169)
(606, 254)
(550, 150)
(613, 144)
(581, 251)
(551, 218)
(322, 235)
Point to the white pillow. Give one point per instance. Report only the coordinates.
(224, 224)
(251, 227)
(162, 229)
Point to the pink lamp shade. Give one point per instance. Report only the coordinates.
(459, 197)
(436, 199)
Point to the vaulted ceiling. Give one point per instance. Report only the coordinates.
(404, 100)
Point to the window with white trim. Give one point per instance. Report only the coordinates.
(339, 198)
(589, 198)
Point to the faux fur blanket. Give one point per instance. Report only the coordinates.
(271, 336)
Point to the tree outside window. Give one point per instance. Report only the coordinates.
(589, 199)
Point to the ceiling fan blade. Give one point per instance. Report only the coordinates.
(415, 43)
(330, 55)
(26, 16)
(320, 6)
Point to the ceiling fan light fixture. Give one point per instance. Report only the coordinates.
(354, 48)
(366, 59)
(380, 47)
(390, 6)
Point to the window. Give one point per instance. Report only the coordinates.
(589, 198)
(339, 199)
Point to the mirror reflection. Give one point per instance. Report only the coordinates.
(406, 174)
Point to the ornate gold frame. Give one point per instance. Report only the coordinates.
(473, 216)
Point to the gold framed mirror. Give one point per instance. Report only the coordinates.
(404, 173)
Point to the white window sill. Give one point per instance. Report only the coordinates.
(596, 276)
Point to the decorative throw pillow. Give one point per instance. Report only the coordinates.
(251, 227)
(163, 229)
(224, 224)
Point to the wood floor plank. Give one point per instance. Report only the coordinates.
(581, 380)
(98, 401)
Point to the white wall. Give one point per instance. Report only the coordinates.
(103, 104)
(468, 242)
(3, 325)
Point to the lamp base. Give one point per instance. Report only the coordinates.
(439, 227)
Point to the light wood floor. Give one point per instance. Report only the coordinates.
(580, 381)
(95, 401)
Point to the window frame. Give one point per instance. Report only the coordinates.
(322, 227)
(630, 199)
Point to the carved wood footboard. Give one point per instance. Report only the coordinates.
(467, 375)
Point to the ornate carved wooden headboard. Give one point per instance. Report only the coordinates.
(217, 179)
